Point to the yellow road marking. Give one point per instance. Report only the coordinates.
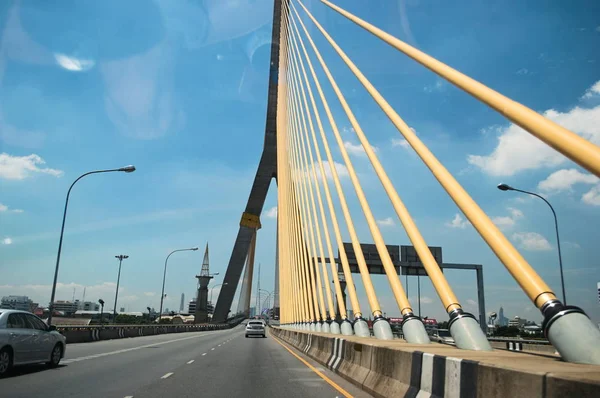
(321, 375)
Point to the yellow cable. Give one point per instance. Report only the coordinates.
(563, 140)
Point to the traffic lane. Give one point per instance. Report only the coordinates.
(112, 373)
(253, 367)
(79, 350)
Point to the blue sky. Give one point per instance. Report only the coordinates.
(179, 90)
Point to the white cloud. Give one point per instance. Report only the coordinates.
(508, 221)
(386, 222)
(563, 180)
(458, 222)
(149, 294)
(531, 241)
(518, 150)
(503, 221)
(271, 213)
(592, 197)
(401, 142)
(471, 302)
(348, 130)
(21, 167)
(7, 241)
(438, 86)
(357, 150)
(515, 213)
(572, 245)
(341, 170)
(4, 208)
(592, 91)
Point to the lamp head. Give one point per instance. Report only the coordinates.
(128, 169)
(194, 248)
(505, 187)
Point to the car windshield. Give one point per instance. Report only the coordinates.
(179, 167)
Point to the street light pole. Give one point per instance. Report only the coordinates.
(126, 169)
(121, 257)
(211, 289)
(268, 294)
(162, 295)
(505, 187)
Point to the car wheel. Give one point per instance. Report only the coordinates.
(55, 356)
(246, 336)
(5, 361)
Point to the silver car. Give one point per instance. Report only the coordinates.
(25, 339)
(255, 328)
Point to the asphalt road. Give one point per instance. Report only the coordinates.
(207, 364)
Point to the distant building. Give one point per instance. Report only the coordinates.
(532, 329)
(22, 303)
(252, 312)
(192, 306)
(67, 307)
(181, 303)
(502, 320)
(88, 306)
(517, 322)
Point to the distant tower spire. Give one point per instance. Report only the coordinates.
(205, 271)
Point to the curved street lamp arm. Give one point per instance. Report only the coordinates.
(62, 230)
(557, 238)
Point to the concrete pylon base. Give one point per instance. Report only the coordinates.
(414, 331)
(312, 327)
(382, 330)
(468, 335)
(361, 328)
(325, 328)
(318, 327)
(334, 328)
(576, 338)
(346, 328)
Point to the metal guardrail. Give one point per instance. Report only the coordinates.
(538, 342)
(113, 326)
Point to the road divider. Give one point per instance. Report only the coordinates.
(84, 334)
(397, 369)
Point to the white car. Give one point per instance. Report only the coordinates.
(26, 339)
(442, 336)
(255, 328)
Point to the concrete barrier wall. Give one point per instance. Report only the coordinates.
(96, 333)
(405, 372)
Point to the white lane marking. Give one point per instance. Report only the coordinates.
(167, 375)
(212, 349)
(219, 345)
(204, 354)
(129, 396)
(189, 362)
(67, 361)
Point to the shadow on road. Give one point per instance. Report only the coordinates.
(28, 369)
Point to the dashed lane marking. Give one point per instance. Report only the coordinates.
(204, 354)
(68, 361)
(189, 362)
(167, 375)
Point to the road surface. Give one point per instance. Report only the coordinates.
(207, 364)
